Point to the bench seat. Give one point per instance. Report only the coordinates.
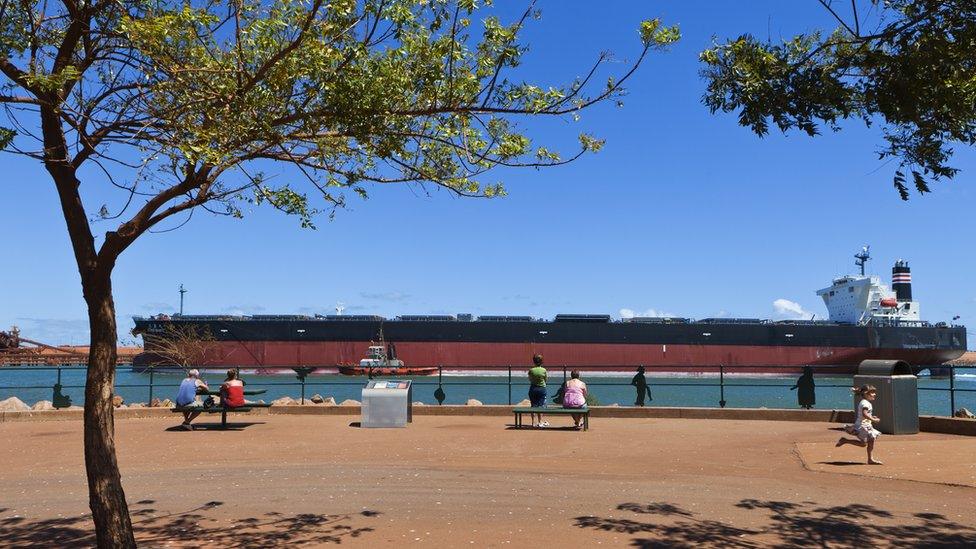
(220, 409)
(558, 410)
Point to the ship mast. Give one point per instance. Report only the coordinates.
(862, 258)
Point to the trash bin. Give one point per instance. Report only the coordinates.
(387, 404)
(897, 402)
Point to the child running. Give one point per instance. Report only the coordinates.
(863, 426)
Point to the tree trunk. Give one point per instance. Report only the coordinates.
(113, 528)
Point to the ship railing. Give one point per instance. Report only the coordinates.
(719, 385)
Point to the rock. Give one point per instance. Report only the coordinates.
(13, 404)
(317, 399)
(349, 402)
(473, 402)
(117, 401)
(964, 413)
(525, 403)
(614, 404)
(418, 403)
(42, 405)
(329, 402)
(137, 405)
(166, 403)
(284, 401)
(154, 403)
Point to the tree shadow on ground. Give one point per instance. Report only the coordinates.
(785, 524)
(192, 528)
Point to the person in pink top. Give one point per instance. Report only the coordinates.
(575, 396)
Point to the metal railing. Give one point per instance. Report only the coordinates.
(719, 378)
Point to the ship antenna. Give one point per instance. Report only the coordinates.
(182, 291)
(862, 258)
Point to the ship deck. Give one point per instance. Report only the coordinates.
(469, 481)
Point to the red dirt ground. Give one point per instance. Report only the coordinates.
(449, 481)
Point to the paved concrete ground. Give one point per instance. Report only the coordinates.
(470, 481)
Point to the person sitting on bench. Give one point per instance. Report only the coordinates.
(575, 396)
(186, 395)
(232, 391)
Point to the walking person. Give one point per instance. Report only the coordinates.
(186, 395)
(640, 382)
(537, 390)
(806, 389)
(863, 426)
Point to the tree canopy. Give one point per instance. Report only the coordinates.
(350, 92)
(908, 66)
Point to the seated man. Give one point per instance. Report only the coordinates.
(232, 391)
(186, 395)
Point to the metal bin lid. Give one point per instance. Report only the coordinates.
(884, 368)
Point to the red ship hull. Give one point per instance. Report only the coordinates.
(763, 359)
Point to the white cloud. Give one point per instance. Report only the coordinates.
(790, 310)
(630, 313)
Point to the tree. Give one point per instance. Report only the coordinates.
(184, 346)
(908, 65)
(181, 106)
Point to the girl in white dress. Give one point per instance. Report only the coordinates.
(863, 426)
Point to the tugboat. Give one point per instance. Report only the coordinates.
(379, 362)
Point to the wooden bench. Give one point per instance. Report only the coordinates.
(222, 410)
(557, 410)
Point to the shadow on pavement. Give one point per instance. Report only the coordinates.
(203, 426)
(785, 524)
(192, 528)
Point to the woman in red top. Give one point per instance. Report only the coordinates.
(232, 391)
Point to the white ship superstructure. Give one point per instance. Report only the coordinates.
(864, 299)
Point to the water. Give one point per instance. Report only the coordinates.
(33, 384)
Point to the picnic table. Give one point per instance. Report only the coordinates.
(220, 408)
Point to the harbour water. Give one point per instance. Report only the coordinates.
(34, 384)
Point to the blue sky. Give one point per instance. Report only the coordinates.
(683, 213)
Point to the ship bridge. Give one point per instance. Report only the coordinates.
(864, 299)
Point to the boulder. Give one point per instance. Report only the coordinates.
(525, 403)
(964, 413)
(317, 399)
(13, 404)
(418, 403)
(154, 403)
(118, 401)
(166, 403)
(349, 402)
(137, 405)
(42, 405)
(329, 402)
(284, 401)
(473, 402)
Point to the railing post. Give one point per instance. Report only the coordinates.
(151, 371)
(721, 385)
(303, 390)
(952, 391)
(509, 384)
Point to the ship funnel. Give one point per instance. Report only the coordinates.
(901, 280)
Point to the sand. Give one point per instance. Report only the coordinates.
(473, 481)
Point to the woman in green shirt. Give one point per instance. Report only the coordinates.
(537, 389)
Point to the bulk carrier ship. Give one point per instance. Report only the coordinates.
(867, 320)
